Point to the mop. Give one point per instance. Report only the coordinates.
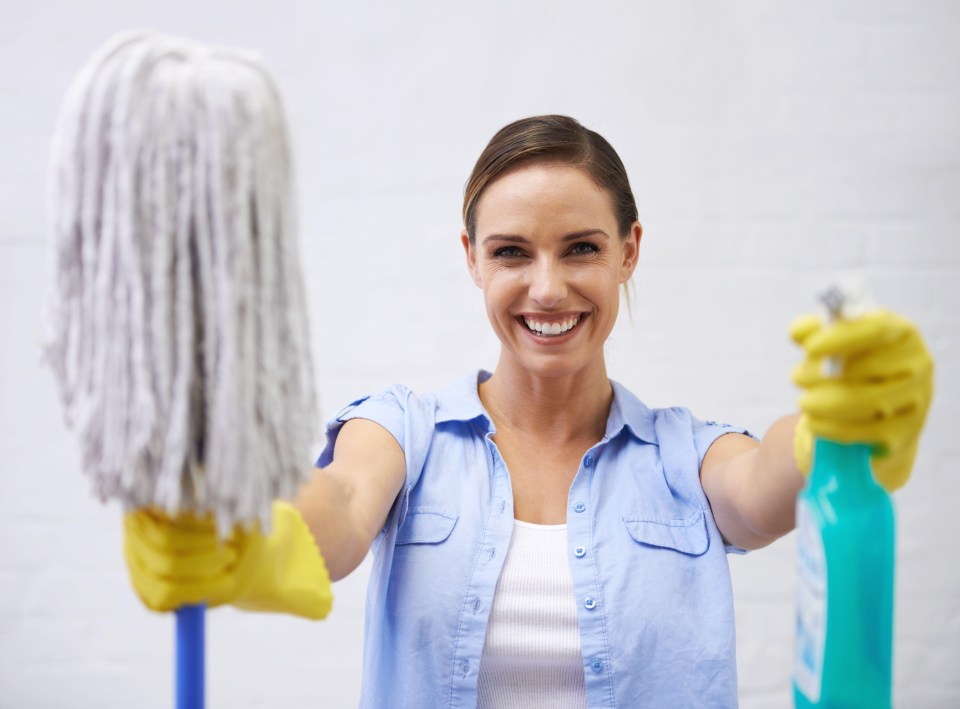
(180, 339)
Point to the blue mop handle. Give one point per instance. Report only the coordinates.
(190, 656)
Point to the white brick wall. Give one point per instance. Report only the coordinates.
(769, 144)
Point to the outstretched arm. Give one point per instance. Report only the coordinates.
(175, 561)
(346, 504)
(752, 487)
(879, 395)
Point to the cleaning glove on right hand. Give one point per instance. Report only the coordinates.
(181, 561)
(879, 396)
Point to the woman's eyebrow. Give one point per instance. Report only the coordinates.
(572, 236)
(583, 233)
(510, 238)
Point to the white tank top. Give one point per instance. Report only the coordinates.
(531, 656)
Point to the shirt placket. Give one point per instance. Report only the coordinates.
(488, 562)
(591, 613)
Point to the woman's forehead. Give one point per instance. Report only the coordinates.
(534, 193)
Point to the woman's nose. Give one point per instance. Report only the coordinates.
(547, 284)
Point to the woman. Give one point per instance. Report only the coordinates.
(541, 537)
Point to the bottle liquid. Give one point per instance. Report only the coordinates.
(844, 636)
(845, 567)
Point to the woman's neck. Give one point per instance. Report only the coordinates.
(561, 409)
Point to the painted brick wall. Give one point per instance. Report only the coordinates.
(769, 144)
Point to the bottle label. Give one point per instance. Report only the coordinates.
(811, 628)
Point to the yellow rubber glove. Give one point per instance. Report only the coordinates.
(181, 561)
(880, 395)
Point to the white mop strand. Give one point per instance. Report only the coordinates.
(180, 337)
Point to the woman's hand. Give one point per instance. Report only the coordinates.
(181, 561)
(880, 394)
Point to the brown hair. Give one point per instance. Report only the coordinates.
(550, 139)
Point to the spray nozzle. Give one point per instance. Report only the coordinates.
(845, 299)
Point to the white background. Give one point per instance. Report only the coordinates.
(769, 145)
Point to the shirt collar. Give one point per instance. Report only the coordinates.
(461, 402)
(627, 411)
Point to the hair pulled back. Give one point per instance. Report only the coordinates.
(550, 139)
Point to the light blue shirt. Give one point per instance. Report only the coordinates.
(649, 567)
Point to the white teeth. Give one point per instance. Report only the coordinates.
(552, 329)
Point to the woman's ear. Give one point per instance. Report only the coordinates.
(471, 253)
(631, 251)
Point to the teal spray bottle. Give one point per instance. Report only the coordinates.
(843, 651)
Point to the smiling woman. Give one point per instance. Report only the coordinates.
(516, 512)
(549, 255)
(541, 537)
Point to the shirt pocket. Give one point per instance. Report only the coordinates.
(426, 525)
(687, 535)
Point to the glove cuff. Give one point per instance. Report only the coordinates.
(292, 576)
(803, 445)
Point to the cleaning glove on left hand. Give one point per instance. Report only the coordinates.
(181, 561)
(879, 396)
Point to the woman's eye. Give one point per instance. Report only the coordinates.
(584, 247)
(507, 252)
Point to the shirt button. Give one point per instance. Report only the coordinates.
(579, 507)
(579, 552)
(589, 603)
(588, 461)
(596, 665)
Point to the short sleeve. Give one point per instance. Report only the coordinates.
(706, 432)
(383, 408)
(704, 435)
(409, 419)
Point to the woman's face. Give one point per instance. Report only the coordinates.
(550, 261)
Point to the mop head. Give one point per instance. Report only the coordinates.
(180, 339)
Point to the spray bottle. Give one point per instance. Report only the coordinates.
(845, 568)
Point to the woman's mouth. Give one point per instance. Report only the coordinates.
(552, 328)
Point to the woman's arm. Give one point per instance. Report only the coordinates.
(752, 487)
(181, 560)
(880, 396)
(346, 504)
